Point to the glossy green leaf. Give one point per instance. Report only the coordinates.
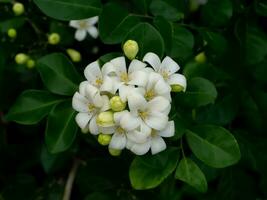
(113, 31)
(189, 172)
(149, 171)
(32, 106)
(199, 92)
(213, 145)
(58, 74)
(61, 128)
(148, 39)
(69, 9)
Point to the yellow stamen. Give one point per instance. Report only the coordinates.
(124, 77)
(143, 114)
(98, 81)
(91, 107)
(154, 133)
(165, 75)
(120, 130)
(150, 94)
(83, 24)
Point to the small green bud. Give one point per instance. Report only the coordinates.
(130, 49)
(54, 38)
(114, 152)
(105, 119)
(74, 55)
(21, 58)
(30, 63)
(177, 88)
(117, 104)
(201, 57)
(12, 33)
(18, 8)
(104, 139)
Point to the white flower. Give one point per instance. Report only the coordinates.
(154, 142)
(166, 68)
(89, 103)
(153, 113)
(83, 26)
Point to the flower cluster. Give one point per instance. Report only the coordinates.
(128, 108)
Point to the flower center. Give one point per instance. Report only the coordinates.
(91, 107)
(154, 133)
(150, 94)
(120, 130)
(124, 77)
(83, 24)
(98, 81)
(164, 74)
(143, 114)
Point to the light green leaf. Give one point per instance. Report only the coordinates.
(32, 106)
(113, 31)
(149, 171)
(213, 145)
(189, 172)
(58, 74)
(148, 39)
(61, 128)
(69, 9)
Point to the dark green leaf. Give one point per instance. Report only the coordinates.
(148, 39)
(58, 74)
(11, 23)
(213, 145)
(69, 9)
(113, 31)
(32, 106)
(261, 7)
(61, 128)
(189, 172)
(149, 171)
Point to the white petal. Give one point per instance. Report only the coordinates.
(92, 30)
(153, 78)
(93, 128)
(82, 119)
(118, 141)
(138, 78)
(106, 104)
(162, 87)
(157, 120)
(118, 115)
(82, 87)
(140, 149)
(169, 65)
(92, 20)
(80, 103)
(92, 72)
(119, 64)
(140, 136)
(158, 104)
(108, 69)
(178, 79)
(108, 85)
(136, 65)
(124, 91)
(129, 122)
(157, 144)
(153, 60)
(74, 24)
(80, 35)
(168, 131)
(91, 92)
(136, 101)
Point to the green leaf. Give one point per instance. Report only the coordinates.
(148, 39)
(189, 172)
(149, 171)
(217, 13)
(261, 7)
(213, 145)
(32, 106)
(164, 9)
(113, 31)
(69, 9)
(58, 74)
(199, 92)
(61, 128)
(11, 23)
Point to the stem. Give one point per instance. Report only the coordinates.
(139, 15)
(70, 180)
(182, 148)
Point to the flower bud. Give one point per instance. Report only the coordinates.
(30, 63)
(21, 58)
(117, 104)
(114, 152)
(201, 57)
(18, 8)
(130, 49)
(74, 55)
(177, 88)
(105, 119)
(104, 139)
(54, 38)
(12, 33)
